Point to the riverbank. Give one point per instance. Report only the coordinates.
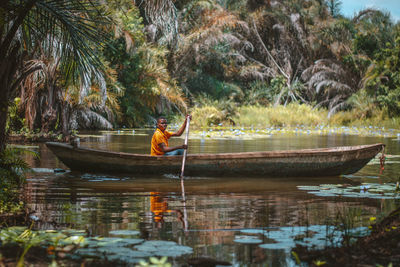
(380, 248)
(291, 115)
(38, 138)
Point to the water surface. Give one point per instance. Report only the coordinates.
(233, 220)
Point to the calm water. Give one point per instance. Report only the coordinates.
(220, 218)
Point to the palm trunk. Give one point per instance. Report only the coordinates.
(49, 113)
(3, 115)
(65, 114)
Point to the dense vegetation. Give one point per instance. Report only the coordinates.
(74, 64)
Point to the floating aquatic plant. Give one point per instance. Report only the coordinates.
(316, 236)
(131, 250)
(124, 232)
(119, 249)
(254, 133)
(154, 262)
(164, 248)
(365, 190)
(247, 239)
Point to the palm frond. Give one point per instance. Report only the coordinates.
(254, 72)
(76, 25)
(90, 119)
(163, 14)
(332, 85)
(335, 108)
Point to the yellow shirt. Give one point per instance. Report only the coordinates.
(158, 138)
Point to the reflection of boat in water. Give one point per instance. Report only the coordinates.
(305, 162)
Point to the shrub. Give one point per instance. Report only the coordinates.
(12, 173)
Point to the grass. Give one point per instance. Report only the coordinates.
(292, 115)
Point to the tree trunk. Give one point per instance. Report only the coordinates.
(8, 69)
(10, 62)
(3, 114)
(65, 114)
(49, 112)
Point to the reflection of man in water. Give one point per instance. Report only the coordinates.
(159, 206)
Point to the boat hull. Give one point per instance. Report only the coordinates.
(306, 162)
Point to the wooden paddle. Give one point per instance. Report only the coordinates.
(186, 142)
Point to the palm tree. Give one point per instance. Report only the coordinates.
(46, 100)
(210, 47)
(330, 84)
(141, 67)
(29, 25)
(333, 79)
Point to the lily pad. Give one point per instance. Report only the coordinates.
(164, 248)
(87, 252)
(114, 250)
(308, 187)
(253, 231)
(124, 232)
(366, 190)
(285, 246)
(247, 239)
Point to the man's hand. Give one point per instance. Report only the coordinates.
(188, 116)
(184, 146)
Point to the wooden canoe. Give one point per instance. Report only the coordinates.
(305, 162)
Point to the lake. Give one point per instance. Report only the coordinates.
(240, 221)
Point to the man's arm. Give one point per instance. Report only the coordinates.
(183, 127)
(166, 149)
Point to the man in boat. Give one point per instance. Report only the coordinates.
(159, 142)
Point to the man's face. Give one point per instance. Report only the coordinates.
(162, 124)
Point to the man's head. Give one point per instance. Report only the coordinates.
(162, 123)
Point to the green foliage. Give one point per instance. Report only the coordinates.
(362, 114)
(291, 115)
(12, 166)
(12, 173)
(260, 116)
(14, 120)
(218, 55)
(207, 116)
(210, 112)
(141, 70)
(382, 80)
(154, 262)
(334, 7)
(258, 94)
(346, 220)
(215, 87)
(363, 111)
(26, 238)
(365, 43)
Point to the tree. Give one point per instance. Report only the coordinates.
(351, 45)
(142, 70)
(334, 7)
(29, 25)
(382, 79)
